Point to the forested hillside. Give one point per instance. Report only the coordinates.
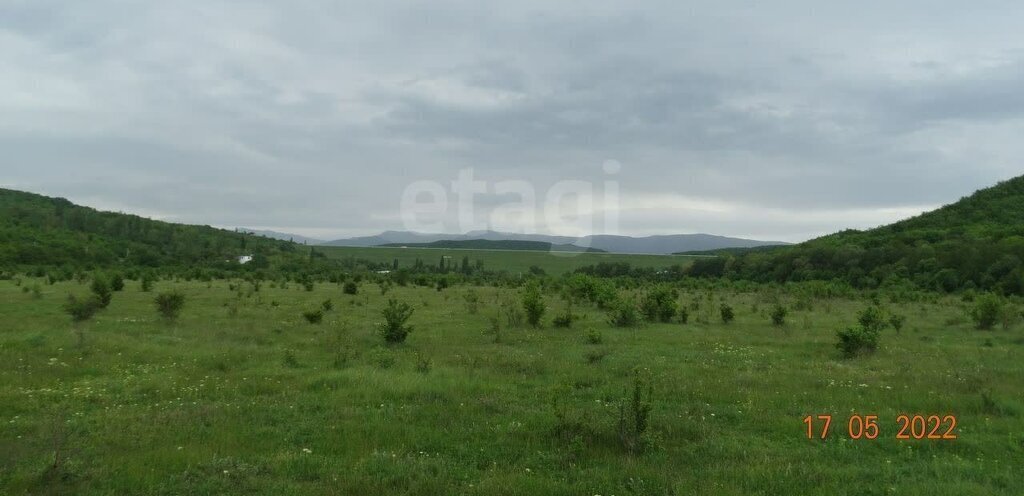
(977, 242)
(38, 231)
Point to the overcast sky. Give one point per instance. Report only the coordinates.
(770, 120)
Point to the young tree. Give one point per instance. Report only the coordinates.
(101, 288)
(82, 309)
(169, 304)
(117, 282)
(394, 328)
(727, 313)
(533, 304)
(779, 315)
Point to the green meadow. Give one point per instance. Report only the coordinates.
(242, 395)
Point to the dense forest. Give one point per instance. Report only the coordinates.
(42, 232)
(977, 242)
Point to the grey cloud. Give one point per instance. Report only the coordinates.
(317, 115)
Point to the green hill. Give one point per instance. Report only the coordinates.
(977, 242)
(489, 244)
(42, 232)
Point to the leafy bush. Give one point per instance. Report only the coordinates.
(350, 288)
(684, 315)
(169, 304)
(872, 318)
(779, 315)
(101, 288)
(394, 328)
(147, 282)
(82, 309)
(624, 314)
(564, 319)
(986, 311)
(727, 313)
(857, 340)
(605, 295)
(659, 304)
(533, 304)
(594, 336)
(314, 316)
(327, 305)
(117, 282)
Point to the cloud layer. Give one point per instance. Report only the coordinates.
(791, 120)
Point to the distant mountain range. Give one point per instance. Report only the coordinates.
(496, 244)
(662, 244)
(282, 236)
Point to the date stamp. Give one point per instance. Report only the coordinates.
(908, 427)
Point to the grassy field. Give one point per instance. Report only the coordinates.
(514, 261)
(243, 396)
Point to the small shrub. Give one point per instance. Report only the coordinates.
(381, 358)
(533, 304)
(605, 295)
(565, 319)
(308, 285)
(82, 309)
(594, 336)
(146, 284)
(595, 356)
(314, 316)
(897, 322)
(169, 304)
(394, 328)
(327, 305)
(986, 311)
(872, 319)
(101, 288)
(350, 287)
(37, 292)
(727, 313)
(117, 282)
(659, 304)
(857, 340)
(684, 315)
(779, 313)
(624, 314)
